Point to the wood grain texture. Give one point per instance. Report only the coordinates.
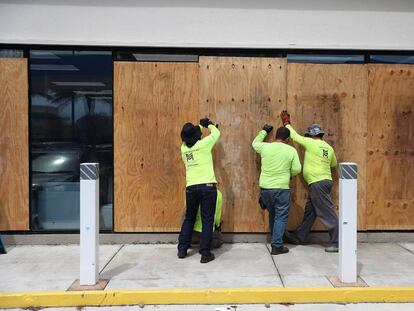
(334, 96)
(152, 102)
(241, 94)
(14, 150)
(391, 147)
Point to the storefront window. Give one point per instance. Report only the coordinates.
(392, 59)
(11, 53)
(325, 58)
(70, 123)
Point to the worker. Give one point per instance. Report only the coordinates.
(319, 160)
(217, 239)
(280, 162)
(201, 188)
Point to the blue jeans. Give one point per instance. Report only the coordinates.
(277, 202)
(203, 196)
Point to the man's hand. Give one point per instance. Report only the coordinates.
(268, 128)
(205, 122)
(285, 116)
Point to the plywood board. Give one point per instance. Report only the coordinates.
(390, 147)
(334, 96)
(241, 94)
(14, 150)
(152, 102)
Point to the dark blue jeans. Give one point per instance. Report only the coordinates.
(203, 196)
(277, 202)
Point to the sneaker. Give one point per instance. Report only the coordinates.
(182, 254)
(291, 238)
(332, 249)
(207, 257)
(277, 250)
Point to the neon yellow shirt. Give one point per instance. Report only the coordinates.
(279, 162)
(319, 157)
(198, 159)
(198, 225)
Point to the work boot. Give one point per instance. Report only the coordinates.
(207, 257)
(182, 254)
(332, 249)
(291, 238)
(277, 250)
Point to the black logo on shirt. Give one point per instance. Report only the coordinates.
(325, 153)
(189, 156)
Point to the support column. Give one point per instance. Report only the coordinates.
(348, 222)
(89, 223)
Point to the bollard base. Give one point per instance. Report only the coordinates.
(98, 286)
(336, 282)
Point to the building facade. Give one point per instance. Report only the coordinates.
(113, 82)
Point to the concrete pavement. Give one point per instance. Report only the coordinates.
(39, 268)
(238, 265)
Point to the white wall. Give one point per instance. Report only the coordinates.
(330, 24)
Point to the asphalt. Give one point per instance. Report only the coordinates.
(155, 266)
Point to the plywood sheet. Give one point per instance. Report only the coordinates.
(334, 96)
(241, 94)
(390, 147)
(152, 102)
(14, 166)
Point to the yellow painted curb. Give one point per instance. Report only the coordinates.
(207, 296)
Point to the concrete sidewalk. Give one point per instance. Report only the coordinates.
(45, 268)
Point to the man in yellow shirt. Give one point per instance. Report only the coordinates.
(319, 160)
(201, 188)
(279, 163)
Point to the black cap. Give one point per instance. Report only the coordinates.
(190, 134)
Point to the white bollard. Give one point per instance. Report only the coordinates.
(89, 223)
(348, 222)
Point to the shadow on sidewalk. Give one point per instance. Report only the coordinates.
(117, 270)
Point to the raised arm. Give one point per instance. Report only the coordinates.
(285, 116)
(258, 143)
(295, 136)
(214, 132)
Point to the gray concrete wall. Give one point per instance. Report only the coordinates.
(158, 238)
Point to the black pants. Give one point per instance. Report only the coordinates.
(203, 196)
(2, 247)
(319, 204)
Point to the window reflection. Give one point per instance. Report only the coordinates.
(325, 58)
(392, 59)
(71, 123)
(11, 53)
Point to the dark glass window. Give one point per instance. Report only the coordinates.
(11, 53)
(155, 57)
(392, 59)
(70, 123)
(325, 58)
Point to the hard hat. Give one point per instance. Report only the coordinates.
(314, 130)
